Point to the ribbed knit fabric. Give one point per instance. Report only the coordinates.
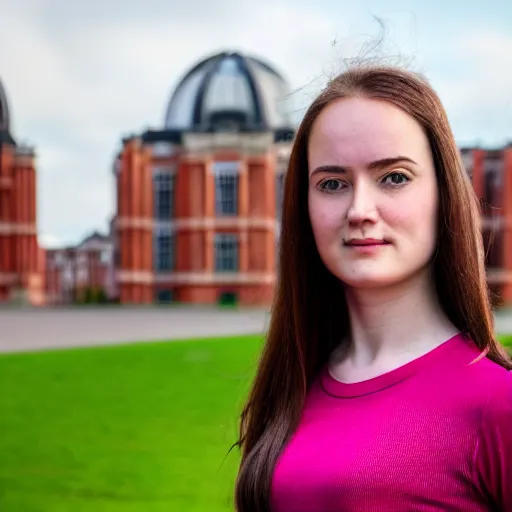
(432, 435)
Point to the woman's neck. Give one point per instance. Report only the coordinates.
(392, 325)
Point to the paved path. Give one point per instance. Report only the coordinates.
(503, 322)
(35, 329)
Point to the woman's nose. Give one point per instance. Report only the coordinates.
(363, 206)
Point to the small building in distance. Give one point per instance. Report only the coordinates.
(84, 273)
(198, 201)
(21, 259)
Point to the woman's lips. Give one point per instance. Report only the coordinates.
(364, 242)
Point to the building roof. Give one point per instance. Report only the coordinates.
(229, 91)
(95, 236)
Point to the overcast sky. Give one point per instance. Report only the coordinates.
(81, 75)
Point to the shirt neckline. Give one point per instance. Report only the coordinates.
(340, 389)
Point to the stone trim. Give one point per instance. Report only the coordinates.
(200, 143)
(7, 278)
(134, 222)
(134, 276)
(195, 278)
(16, 228)
(499, 276)
(198, 223)
(6, 181)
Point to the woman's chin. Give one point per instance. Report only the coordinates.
(380, 280)
(373, 280)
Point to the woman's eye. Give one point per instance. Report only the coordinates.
(331, 185)
(395, 178)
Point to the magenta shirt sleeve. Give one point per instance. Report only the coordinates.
(493, 454)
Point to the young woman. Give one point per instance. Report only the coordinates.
(381, 386)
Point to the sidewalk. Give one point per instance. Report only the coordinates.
(36, 329)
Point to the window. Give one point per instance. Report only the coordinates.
(226, 188)
(490, 179)
(67, 275)
(82, 275)
(226, 252)
(59, 259)
(117, 257)
(226, 126)
(467, 162)
(163, 196)
(163, 149)
(493, 170)
(228, 298)
(105, 256)
(279, 194)
(164, 251)
(164, 296)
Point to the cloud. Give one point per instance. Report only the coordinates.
(80, 76)
(487, 53)
(47, 241)
(477, 91)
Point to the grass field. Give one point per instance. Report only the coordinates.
(143, 427)
(132, 428)
(506, 340)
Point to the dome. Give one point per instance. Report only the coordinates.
(4, 110)
(5, 124)
(229, 92)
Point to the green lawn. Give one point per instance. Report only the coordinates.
(143, 427)
(507, 341)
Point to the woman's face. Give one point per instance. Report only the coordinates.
(373, 196)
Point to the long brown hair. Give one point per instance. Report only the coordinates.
(309, 314)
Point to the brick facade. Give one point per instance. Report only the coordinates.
(198, 204)
(491, 174)
(21, 259)
(195, 275)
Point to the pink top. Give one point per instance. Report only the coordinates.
(434, 434)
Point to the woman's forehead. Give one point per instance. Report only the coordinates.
(354, 132)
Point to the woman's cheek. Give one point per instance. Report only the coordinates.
(325, 219)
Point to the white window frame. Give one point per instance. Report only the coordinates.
(226, 187)
(280, 177)
(163, 185)
(163, 232)
(226, 251)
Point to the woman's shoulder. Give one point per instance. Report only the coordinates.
(493, 453)
(498, 386)
(474, 383)
(494, 378)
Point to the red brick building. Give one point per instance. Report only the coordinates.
(491, 174)
(21, 260)
(198, 201)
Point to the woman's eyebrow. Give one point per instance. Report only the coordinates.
(375, 165)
